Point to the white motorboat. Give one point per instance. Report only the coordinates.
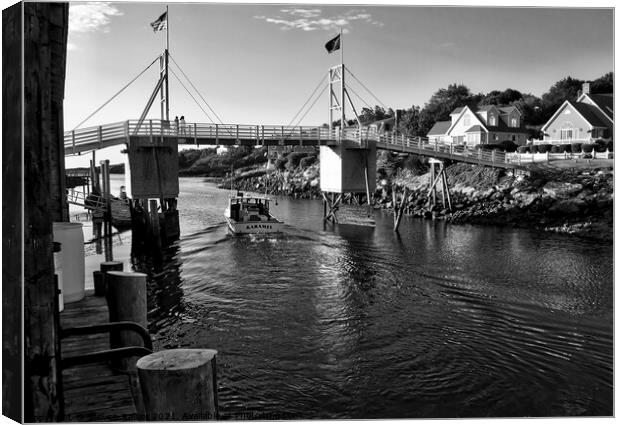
(250, 214)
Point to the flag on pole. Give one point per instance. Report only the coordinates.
(161, 23)
(333, 44)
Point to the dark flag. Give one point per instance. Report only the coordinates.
(161, 23)
(333, 44)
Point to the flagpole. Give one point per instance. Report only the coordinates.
(342, 117)
(167, 49)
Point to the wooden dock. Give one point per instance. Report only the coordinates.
(93, 392)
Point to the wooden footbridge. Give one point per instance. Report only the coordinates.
(159, 132)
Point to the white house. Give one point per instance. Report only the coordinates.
(481, 125)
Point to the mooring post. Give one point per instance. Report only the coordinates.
(100, 275)
(179, 384)
(126, 295)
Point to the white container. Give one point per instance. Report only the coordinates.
(70, 264)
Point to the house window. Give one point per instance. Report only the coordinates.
(466, 120)
(492, 120)
(473, 138)
(566, 134)
(496, 137)
(513, 122)
(514, 138)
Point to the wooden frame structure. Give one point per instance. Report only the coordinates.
(437, 176)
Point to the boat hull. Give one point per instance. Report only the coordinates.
(257, 227)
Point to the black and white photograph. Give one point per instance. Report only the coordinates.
(288, 211)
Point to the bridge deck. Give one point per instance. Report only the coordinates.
(156, 131)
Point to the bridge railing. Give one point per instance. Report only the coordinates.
(93, 135)
(158, 128)
(427, 147)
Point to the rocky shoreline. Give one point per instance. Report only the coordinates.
(571, 202)
(578, 202)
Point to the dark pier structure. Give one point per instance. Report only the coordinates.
(81, 363)
(32, 113)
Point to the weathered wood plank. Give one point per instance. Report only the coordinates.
(93, 392)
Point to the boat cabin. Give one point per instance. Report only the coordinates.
(243, 209)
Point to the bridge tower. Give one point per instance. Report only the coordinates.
(151, 167)
(349, 168)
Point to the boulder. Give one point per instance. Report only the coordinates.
(567, 207)
(559, 190)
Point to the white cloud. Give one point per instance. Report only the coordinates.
(311, 19)
(89, 17)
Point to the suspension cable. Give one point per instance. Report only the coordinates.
(310, 108)
(359, 97)
(367, 89)
(197, 91)
(117, 93)
(307, 100)
(188, 92)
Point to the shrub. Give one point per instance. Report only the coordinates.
(544, 148)
(523, 149)
(565, 148)
(575, 147)
(280, 163)
(488, 147)
(508, 146)
(307, 161)
(587, 147)
(610, 145)
(556, 149)
(293, 159)
(534, 148)
(600, 145)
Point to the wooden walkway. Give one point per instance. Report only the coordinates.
(161, 133)
(93, 392)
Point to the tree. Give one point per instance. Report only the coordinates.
(368, 115)
(497, 97)
(604, 84)
(408, 123)
(565, 89)
(442, 103)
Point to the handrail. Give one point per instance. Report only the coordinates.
(109, 327)
(93, 137)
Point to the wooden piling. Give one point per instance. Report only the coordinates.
(126, 296)
(106, 266)
(179, 384)
(155, 230)
(398, 210)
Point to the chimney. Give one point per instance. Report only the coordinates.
(585, 88)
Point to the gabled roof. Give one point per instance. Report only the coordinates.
(589, 112)
(475, 129)
(605, 102)
(457, 110)
(484, 108)
(460, 115)
(509, 109)
(440, 128)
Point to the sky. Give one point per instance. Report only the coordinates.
(259, 64)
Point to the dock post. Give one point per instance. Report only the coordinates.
(179, 384)
(126, 296)
(100, 276)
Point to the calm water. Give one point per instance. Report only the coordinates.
(358, 322)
